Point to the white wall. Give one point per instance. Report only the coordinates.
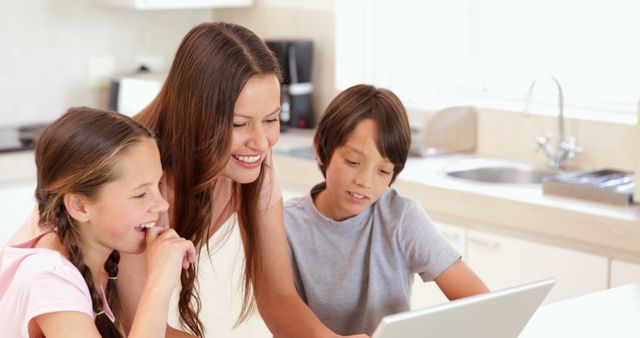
(306, 19)
(47, 44)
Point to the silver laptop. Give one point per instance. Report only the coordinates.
(498, 314)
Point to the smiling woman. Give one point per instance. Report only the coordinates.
(255, 128)
(216, 118)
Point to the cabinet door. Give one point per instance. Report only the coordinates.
(17, 201)
(426, 294)
(505, 261)
(624, 273)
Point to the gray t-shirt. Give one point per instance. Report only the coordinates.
(353, 273)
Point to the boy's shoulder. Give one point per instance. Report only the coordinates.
(294, 202)
(391, 198)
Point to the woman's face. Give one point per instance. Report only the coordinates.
(256, 127)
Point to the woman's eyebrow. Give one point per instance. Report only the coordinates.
(275, 111)
(142, 185)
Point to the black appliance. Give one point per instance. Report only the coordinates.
(295, 57)
(20, 138)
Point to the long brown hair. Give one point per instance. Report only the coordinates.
(78, 153)
(192, 117)
(355, 104)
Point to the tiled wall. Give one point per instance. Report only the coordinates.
(46, 46)
(512, 135)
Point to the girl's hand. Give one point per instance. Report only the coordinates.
(167, 253)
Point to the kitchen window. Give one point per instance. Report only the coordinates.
(434, 53)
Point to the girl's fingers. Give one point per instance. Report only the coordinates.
(152, 234)
(168, 233)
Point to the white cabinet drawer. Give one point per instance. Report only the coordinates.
(505, 261)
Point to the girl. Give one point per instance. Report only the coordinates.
(94, 202)
(355, 243)
(216, 118)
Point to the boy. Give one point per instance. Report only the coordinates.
(355, 243)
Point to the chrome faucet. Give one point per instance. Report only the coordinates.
(565, 148)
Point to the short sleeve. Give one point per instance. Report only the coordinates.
(426, 251)
(58, 289)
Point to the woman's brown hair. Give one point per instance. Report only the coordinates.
(355, 104)
(78, 153)
(192, 117)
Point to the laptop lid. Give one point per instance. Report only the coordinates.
(498, 314)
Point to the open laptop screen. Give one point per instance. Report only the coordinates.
(498, 314)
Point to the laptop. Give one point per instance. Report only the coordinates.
(498, 314)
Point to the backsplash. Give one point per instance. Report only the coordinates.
(48, 45)
(511, 135)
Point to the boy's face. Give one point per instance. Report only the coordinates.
(356, 176)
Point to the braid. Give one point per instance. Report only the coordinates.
(106, 328)
(111, 267)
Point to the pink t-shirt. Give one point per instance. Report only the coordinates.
(223, 206)
(35, 281)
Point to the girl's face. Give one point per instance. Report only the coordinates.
(356, 176)
(123, 207)
(256, 127)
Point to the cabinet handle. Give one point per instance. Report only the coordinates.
(484, 243)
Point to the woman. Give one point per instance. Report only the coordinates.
(216, 118)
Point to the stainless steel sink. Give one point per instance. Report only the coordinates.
(498, 171)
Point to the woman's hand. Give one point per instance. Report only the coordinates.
(167, 253)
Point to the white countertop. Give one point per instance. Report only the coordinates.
(612, 313)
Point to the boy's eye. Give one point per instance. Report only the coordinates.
(385, 172)
(351, 163)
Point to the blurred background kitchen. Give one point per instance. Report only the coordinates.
(525, 116)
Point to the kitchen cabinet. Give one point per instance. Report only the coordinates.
(624, 273)
(174, 4)
(426, 294)
(17, 201)
(506, 261)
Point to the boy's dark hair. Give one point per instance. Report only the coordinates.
(358, 103)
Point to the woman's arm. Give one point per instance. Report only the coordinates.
(283, 311)
(459, 281)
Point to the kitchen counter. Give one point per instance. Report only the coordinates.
(613, 313)
(516, 210)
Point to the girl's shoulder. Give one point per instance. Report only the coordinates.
(36, 264)
(38, 281)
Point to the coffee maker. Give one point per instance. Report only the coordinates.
(295, 57)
